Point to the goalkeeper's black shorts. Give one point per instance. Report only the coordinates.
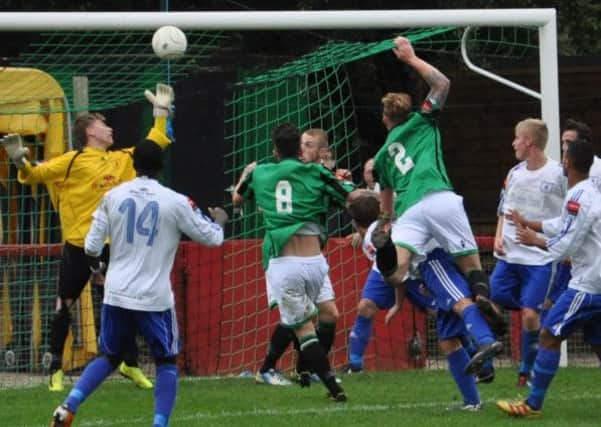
(74, 271)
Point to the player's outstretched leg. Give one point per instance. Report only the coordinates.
(315, 357)
(488, 346)
(94, 374)
(458, 360)
(59, 329)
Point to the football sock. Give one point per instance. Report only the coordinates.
(59, 330)
(359, 339)
(477, 326)
(90, 379)
(165, 393)
(317, 360)
(280, 339)
(545, 368)
(458, 360)
(528, 348)
(468, 344)
(326, 332)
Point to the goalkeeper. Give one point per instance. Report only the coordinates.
(82, 177)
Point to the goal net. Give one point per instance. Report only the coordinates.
(222, 309)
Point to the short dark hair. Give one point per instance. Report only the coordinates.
(286, 139)
(80, 126)
(582, 129)
(581, 155)
(364, 209)
(148, 158)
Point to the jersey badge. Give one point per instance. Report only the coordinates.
(573, 207)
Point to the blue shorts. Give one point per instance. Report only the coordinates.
(515, 286)
(378, 291)
(382, 294)
(449, 325)
(416, 294)
(563, 275)
(573, 310)
(443, 280)
(119, 325)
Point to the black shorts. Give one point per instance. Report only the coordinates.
(74, 271)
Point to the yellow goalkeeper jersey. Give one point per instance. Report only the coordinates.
(82, 178)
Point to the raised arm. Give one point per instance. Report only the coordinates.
(438, 82)
(241, 186)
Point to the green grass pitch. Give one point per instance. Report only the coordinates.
(408, 398)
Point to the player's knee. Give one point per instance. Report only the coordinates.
(448, 346)
(367, 308)
(530, 319)
(170, 360)
(461, 305)
(328, 312)
(549, 341)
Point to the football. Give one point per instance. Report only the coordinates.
(169, 42)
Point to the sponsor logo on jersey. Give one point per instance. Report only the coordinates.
(106, 182)
(546, 186)
(573, 207)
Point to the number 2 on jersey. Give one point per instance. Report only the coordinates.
(283, 197)
(403, 163)
(137, 224)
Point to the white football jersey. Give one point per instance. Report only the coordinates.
(579, 236)
(144, 222)
(368, 249)
(537, 195)
(595, 172)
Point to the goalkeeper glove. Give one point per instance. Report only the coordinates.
(13, 144)
(161, 101)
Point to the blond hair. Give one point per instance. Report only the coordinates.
(396, 106)
(535, 129)
(321, 135)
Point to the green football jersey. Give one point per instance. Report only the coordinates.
(291, 194)
(411, 163)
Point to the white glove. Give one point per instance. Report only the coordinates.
(162, 101)
(13, 144)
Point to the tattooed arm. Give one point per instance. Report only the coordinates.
(438, 82)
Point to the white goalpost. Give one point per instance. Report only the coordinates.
(544, 19)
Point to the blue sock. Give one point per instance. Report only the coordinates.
(359, 338)
(92, 377)
(477, 326)
(458, 360)
(545, 368)
(165, 392)
(468, 344)
(528, 349)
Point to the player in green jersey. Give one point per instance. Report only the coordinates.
(293, 196)
(410, 165)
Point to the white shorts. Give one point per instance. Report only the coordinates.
(294, 284)
(439, 216)
(325, 294)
